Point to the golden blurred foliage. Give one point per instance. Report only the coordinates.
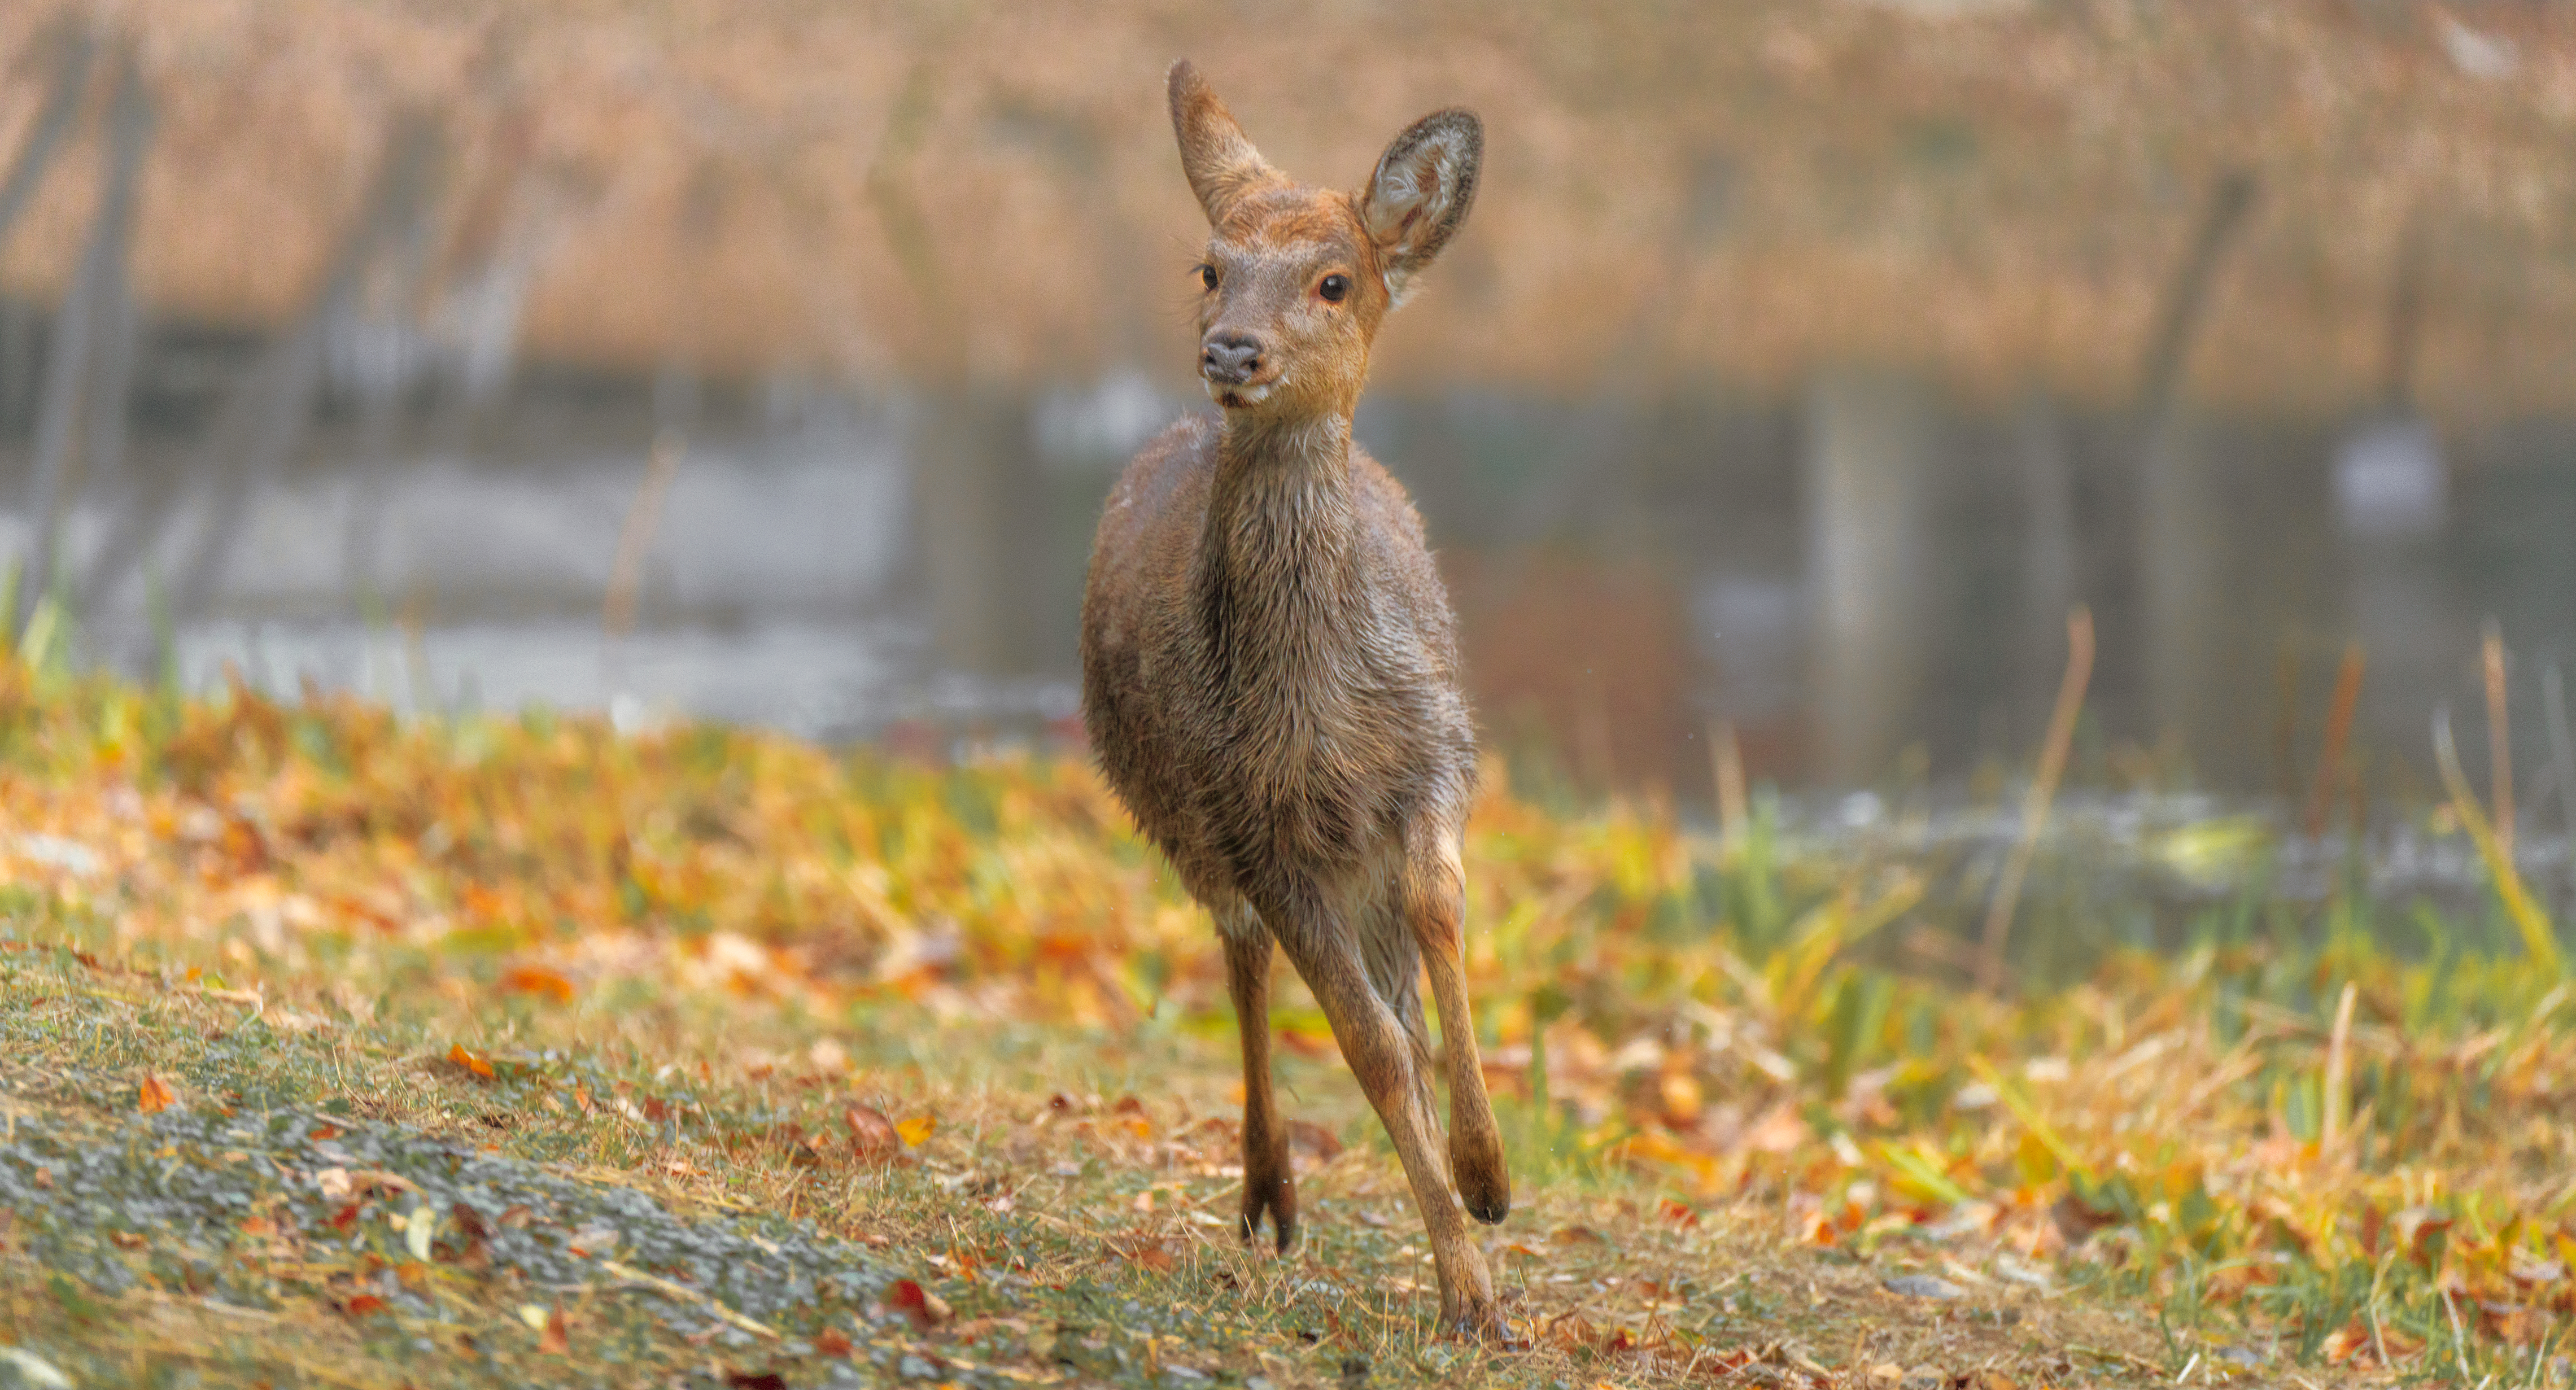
(1994, 193)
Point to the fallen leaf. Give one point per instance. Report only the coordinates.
(916, 1130)
(474, 1062)
(556, 1339)
(364, 1304)
(536, 979)
(872, 1136)
(832, 1341)
(927, 1309)
(155, 1096)
(756, 1380)
(1145, 1251)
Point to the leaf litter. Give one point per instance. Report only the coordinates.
(1699, 1047)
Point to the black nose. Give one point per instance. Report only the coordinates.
(1230, 358)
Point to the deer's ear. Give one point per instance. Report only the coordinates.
(1221, 164)
(1421, 191)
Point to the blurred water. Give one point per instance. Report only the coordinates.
(1866, 581)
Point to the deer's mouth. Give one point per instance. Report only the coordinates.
(1240, 395)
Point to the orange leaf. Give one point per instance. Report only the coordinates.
(831, 1341)
(556, 1340)
(916, 1129)
(364, 1304)
(474, 1062)
(536, 979)
(155, 1096)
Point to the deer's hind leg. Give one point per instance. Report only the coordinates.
(1434, 902)
(1269, 1183)
(1321, 940)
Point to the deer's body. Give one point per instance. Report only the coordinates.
(1270, 673)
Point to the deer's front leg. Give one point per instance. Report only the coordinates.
(1269, 1184)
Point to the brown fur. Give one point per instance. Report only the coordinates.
(1270, 669)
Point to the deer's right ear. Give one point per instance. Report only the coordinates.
(1221, 164)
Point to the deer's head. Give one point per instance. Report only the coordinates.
(1297, 279)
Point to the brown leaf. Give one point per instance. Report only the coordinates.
(556, 1340)
(1145, 1250)
(155, 1095)
(756, 1380)
(1315, 1139)
(832, 1341)
(873, 1137)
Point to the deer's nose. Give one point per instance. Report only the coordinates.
(1230, 358)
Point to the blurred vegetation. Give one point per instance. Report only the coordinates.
(1994, 191)
(2291, 1132)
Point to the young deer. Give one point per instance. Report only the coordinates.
(1270, 672)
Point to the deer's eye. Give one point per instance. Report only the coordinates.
(1335, 288)
(1207, 276)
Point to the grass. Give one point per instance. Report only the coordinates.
(957, 1014)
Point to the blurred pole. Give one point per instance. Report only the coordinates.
(77, 52)
(266, 421)
(1868, 467)
(978, 494)
(385, 333)
(92, 303)
(2049, 577)
(976, 489)
(2183, 513)
(2187, 599)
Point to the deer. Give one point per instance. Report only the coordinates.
(1270, 673)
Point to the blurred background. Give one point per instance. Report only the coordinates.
(1802, 365)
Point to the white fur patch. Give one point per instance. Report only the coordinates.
(1243, 395)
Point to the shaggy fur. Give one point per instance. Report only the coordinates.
(1270, 669)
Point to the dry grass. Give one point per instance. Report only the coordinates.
(1738, 191)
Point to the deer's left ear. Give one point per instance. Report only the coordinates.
(1421, 191)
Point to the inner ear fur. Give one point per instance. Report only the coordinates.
(1420, 193)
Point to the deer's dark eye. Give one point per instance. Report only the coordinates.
(1207, 276)
(1335, 288)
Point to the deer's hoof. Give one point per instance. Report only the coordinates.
(1484, 1323)
(1278, 1197)
(1484, 1184)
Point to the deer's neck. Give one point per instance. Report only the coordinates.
(1278, 585)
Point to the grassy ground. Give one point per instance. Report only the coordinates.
(1068, 1202)
(340, 1050)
